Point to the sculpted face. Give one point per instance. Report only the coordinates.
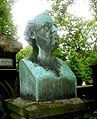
(43, 30)
(47, 37)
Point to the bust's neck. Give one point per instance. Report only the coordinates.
(44, 54)
(48, 61)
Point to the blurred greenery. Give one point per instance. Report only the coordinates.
(25, 52)
(7, 26)
(77, 40)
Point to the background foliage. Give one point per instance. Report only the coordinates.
(93, 4)
(78, 39)
(7, 26)
(25, 52)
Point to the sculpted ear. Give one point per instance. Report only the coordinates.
(32, 35)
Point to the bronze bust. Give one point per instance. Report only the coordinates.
(44, 76)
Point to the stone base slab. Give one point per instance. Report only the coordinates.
(25, 109)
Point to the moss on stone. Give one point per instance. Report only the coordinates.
(32, 110)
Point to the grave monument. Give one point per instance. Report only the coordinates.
(43, 76)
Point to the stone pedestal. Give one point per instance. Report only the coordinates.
(39, 84)
(74, 108)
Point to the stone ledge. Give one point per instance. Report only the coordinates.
(28, 109)
(9, 45)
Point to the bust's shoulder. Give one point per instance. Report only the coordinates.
(65, 69)
(61, 62)
(29, 63)
(37, 70)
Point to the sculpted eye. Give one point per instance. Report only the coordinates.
(41, 31)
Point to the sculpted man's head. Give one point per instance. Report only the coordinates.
(41, 33)
(42, 29)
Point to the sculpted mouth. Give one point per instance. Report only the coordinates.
(56, 43)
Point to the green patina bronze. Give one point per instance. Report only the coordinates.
(42, 75)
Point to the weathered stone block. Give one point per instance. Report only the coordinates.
(61, 109)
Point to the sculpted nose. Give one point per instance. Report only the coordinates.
(55, 40)
(54, 29)
(55, 36)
